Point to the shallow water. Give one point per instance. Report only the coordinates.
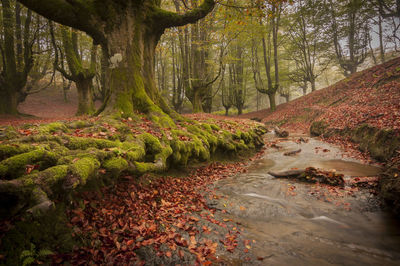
(306, 224)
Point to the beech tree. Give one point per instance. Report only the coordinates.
(270, 53)
(128, 32)
(16, 48)
(82, 76)
(349, 32)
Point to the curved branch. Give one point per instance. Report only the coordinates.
(72, 13)
(171, 19)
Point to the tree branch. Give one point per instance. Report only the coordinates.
(72, 13)
(171, 19)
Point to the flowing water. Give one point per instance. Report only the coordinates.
(308, 224)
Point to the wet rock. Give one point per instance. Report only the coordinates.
(291, 153)
(281, 133)
(256, 119)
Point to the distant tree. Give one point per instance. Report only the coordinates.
(82, 76)
(16, 47)
(269, 41)
(305, 45)
(349, 31)
(226, 94)
(237, 83)
(389, 8)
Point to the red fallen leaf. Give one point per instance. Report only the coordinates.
(206, 263)
(181, 253)
(75, 219)
(103, 230)
(130, 242)
(193, 242)
(29, 168)
(148, 242)
(246, 250)
(168, 254)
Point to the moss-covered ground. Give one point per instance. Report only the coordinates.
(45, 167)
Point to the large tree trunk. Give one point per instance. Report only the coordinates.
(131, 48)
(8, 102)
(128, 32)
(17, 57)
(197, 102)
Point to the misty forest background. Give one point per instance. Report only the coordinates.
(244, 56)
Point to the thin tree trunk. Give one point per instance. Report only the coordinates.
(272, 102)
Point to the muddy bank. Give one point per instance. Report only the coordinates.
(382, 145)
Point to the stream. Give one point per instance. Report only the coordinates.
(308, 224)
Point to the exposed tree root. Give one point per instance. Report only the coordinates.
(42, 163)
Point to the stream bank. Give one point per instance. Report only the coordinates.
(46, 168)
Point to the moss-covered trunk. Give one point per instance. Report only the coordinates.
(85, 96)
(8, 101)
(197, 102)
(131, 47)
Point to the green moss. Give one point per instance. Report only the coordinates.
(115, 166)
(134, 150)
(207, 127)
(52, 127)
(124, 104)
(83, 169)
(15, 166)
(152, 144)
(164, 154)
(8, 150)
(79, 124)
(77, 143)
(8, 133)
(47, 232)
(142, 168)
(215, 127)
(318, 128)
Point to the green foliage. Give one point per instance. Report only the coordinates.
(36, 239)
(31, 256)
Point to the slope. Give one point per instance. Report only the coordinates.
(361, 111)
